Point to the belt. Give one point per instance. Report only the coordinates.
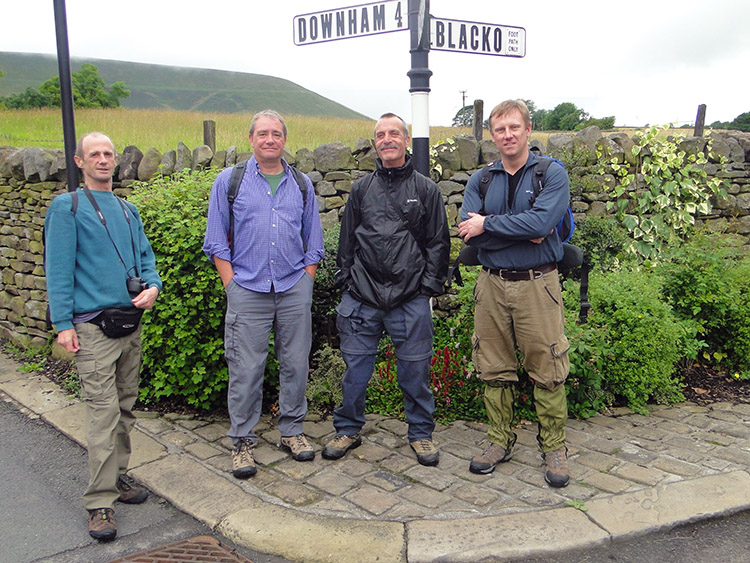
(522, 275)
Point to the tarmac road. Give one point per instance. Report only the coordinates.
(722, 540)
(42, 518)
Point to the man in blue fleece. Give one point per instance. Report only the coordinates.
(94, 244)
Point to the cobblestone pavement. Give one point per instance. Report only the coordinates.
(630, 474)
(382, 480)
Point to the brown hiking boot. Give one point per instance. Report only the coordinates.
(557, 474)
(130, 493)
(341, 444)
(102, 525)
(486, 461)
(243, 462)
(427, 453)
(299, 447)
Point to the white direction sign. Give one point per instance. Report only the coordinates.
(479, 38)
(352, 21)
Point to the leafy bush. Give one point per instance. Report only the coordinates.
(585, 386)
(604, 242)
(660, 199)
(458, 390)
(383, 393)
(183, 351)
(325, 295)
(708, 280)
(642, 339)
(324, 388)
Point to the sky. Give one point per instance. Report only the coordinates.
(643, 61)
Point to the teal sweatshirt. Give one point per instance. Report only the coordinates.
(84, 272)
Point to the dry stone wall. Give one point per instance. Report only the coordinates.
(31, 177)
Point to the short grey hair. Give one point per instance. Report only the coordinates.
(388, 115)
(267, 113)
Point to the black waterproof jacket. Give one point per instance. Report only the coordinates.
(394, 242)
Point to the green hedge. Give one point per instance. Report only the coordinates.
(183, 350)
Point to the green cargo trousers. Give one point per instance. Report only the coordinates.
(526, 316)
(109, 370)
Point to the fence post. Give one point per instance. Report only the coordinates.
(478, 119)
(700, 121)
(209, 134)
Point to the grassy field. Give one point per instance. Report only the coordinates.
(163, 129)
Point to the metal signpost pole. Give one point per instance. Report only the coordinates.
(66, 94)
(419, 28)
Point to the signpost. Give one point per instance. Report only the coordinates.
(352, 21)
(66, 94)
(427, 33)
(478, 38)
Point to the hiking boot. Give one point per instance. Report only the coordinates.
(130, 492)
(557, 474)
(102, 525)
(299, 447)
(341, 444)
(243, 462)
(486, 461)
(427, 453)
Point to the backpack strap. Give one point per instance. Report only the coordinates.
(485, 177)
(299, 177)
(539, 176)
(234, 185)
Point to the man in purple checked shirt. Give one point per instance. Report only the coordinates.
(267, 273)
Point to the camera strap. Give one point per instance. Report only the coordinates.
(103, 221)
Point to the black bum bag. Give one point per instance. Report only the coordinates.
(116, 323)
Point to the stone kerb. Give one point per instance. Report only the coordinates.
(31, 177)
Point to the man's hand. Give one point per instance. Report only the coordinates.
(541, 239)
(472, 227)
(68, 339)
(311, 269)
(145, 299)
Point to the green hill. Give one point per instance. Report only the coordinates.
(179, 88)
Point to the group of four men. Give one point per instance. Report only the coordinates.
(266, 244)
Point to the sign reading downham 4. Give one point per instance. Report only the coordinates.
(353, 21)
(479, 38)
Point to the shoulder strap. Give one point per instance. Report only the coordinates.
(74, 202)
(485, 178)
(234, 185)
(299, 177)
(540, 173)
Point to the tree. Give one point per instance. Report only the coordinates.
(741, 122)
(564, 117)
(89, 91)
(28, 99)
(464, 117)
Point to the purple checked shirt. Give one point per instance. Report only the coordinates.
(268, 230)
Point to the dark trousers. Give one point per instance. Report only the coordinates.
(411, 330)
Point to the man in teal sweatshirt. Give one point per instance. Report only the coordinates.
(97, 259)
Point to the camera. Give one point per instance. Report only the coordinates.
(135, 285)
